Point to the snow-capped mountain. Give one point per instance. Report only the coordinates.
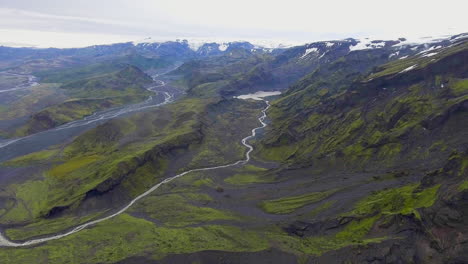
(208, 47)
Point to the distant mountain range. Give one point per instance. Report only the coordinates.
(200, 48)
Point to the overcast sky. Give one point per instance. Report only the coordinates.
(69, 23)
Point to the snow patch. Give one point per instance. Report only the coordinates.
(462, 36)
(404, 57)
(308, 51)
(258, 95)
(430, 54)
(409, 68)
(367, 43)
(429, 49)
(419, 40)
(394, 54)
(195, 46)
(223, 47)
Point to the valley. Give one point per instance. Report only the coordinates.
(343, 151)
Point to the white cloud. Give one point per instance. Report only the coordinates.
(46, 39)
(305, 20)
(8, 13)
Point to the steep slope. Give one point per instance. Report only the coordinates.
(401, 132)
(282, 68)
(357, 117)
(207, 77)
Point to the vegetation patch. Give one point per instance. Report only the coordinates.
(290, 204)
(33, 158)
(242, 179)
(353, 234)
(463, 186)
(459, 87)
(317, 210)
(126, 236)
(250, 174)
(71, 165)
(403, 200)
(175, 210)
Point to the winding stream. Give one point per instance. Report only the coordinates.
(32, 81)
(4, 242)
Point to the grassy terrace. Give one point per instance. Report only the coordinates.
(249, 174)
(290, 204)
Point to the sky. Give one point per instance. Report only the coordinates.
(72, 23)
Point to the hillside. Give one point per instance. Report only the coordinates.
(87, 96)
(400, 131)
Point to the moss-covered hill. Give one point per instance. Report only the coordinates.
(89, 95)
(402, 118)
(397, 138)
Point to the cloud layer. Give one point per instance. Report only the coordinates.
(295, 20)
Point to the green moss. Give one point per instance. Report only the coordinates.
(464, 166)
(242, 179)
(375, 137)
(252, 168)
(177, 211)
(126, 236)
(290, 204)
(390, 150)
(402, 200)
(463, 186)
(357, 151)
(356, 229)
(279, 153)
(31, 198)
(460, 87)
(198, 197)
(128, 81)
(203, 182)
(438, 146)
(64, 169)
(358, 123)
(19, 213)
(319, 209)
(323, 92)
(353, 234)
(33, 158)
